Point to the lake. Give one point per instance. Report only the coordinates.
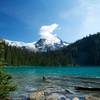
(59, 71)
(29, 78)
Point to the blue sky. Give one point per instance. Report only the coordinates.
(21, 20)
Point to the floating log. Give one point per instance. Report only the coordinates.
(87, 88)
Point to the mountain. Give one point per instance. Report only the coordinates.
(83, 52)
(42, 45)
(20, 44)
(45, 45)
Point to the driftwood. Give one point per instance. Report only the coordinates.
(87, 88)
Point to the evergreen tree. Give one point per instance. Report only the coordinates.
(82, 52)
(2, 52)
(6, 85)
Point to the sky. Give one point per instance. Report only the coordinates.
(26, 20)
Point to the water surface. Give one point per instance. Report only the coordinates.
(59, 71)
(29, 78)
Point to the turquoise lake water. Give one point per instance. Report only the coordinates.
(65, 71)
(29, 78)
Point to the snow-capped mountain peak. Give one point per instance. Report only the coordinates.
(42, 45)
(47, 42)
(30, 46)
(14, 43)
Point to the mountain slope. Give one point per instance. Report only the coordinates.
(42, 45)
(86, 51)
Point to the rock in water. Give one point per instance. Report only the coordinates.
(44, 78)
(56, 96)
(37, 96)
(91, 98)
(75, 98)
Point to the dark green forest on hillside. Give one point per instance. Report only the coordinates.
(82, 52)
(2, 53)
(86, 51)
(19, 56)
(6, 84)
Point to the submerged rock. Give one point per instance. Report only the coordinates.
(62, 88)
(92, 98)
(41, 95)
(56, 96)
(37, 96)
(68, 99)
(75, 98)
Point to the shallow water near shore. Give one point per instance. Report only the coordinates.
(29, 79)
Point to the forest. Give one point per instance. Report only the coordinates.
(83, 52)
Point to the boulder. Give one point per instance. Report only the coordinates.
(75, 98)
(37, 96)
(56, 96)
(92, 98)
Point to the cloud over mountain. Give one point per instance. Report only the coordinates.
(47, 31)
(47, 42)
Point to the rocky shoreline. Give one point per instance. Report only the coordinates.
(64, 88)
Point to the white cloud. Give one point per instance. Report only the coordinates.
(46, 32)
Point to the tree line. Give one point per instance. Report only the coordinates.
(82, 52)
